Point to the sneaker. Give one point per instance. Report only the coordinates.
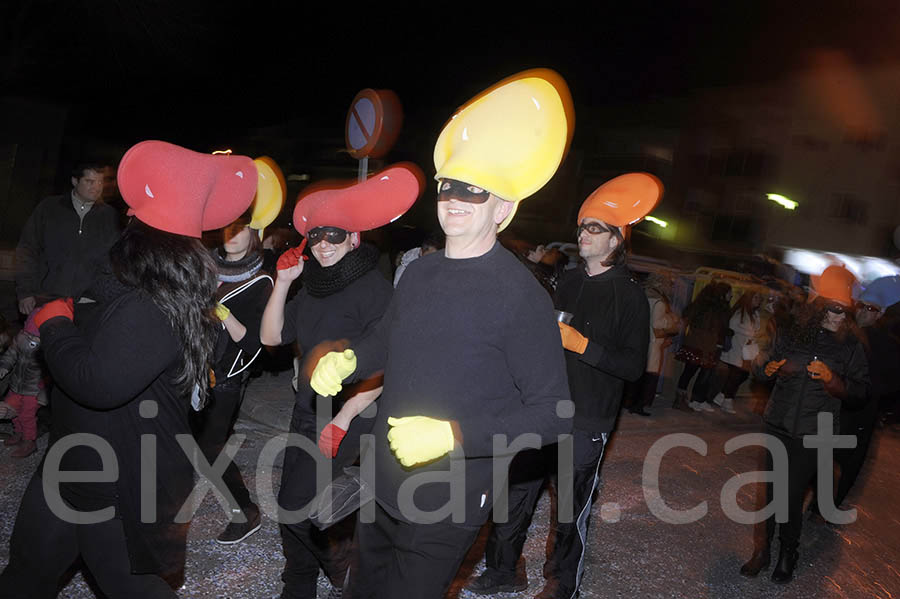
(6, 411)
(706, 407)
(728, 406)
(15, 439)
(236, 532)
(491, 581)
(719, 399)
(553, 590)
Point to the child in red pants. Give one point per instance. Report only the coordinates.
(21, 403)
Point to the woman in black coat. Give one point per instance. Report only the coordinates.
(115, 476)
(819, 366)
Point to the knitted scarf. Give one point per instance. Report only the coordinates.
(239, 270)
(322, 281)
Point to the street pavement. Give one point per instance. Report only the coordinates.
(631, 552)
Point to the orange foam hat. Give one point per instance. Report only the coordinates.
(624, 200)
(835, 283)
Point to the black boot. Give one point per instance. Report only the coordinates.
(787, 561)
(758, 563)
(681, 401)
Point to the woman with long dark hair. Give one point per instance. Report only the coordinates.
(706, 319)
(125, 381)
(820, 366)
(745, 326)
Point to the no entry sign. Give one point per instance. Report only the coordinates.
(373, 123)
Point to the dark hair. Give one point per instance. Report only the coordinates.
(81, 167)
(179, 275)
(745, 306)
(617, 256)
(434, 239)
(808, 319)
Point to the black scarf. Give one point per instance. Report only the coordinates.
(239, 270)
(322, 281)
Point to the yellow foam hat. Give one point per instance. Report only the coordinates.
(270, 192)
(510, 138)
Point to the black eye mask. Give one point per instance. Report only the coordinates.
(457, 190)
(332, 235)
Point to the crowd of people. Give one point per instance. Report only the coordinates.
(472, 366)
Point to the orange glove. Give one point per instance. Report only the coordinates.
(58, 307)
(572, 340)
(330, 439)
(772, 367)
(819, 370)
(292, 257)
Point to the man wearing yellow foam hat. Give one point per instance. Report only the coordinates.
(468, 346)
(606, 344)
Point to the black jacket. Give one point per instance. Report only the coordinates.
(797, 399)
(59, 254)
(246, 300)
(611, 310)
(114, 379)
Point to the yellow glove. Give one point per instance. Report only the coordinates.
(331, 371)
(221, 311)
(572, 340)
(418, 439)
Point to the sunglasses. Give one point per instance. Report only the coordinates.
(592, 228)
(332, 235)
(836, 308)
(451, 189)
(868, 307)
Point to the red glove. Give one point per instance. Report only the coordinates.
(330, 440)
(58, 307)
(292, 257)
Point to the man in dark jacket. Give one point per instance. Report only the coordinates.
(64, 242)
(606, 342)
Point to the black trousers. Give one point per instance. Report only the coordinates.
(700, 392)
(735, 377)
(802, 468)
(43, 547)
(645, 391)
(862, 424)
(399, 559)
(565, 560)
(305, 547)
(213, 426)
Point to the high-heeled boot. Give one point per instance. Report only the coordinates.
(757, 563)
(787, 561)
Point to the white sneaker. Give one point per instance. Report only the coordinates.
(728, 406)
(695, 405)
(706, 407)
(718, 399)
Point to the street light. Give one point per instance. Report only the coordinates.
(782, 201)
(657, 221)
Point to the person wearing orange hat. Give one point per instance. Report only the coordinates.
(468, 346)
(125, 381)
(821, 367)
(606, 343)
(342, 298)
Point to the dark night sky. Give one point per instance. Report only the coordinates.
(142, 68)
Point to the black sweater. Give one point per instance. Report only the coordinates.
(58, 254)
(472, 341)
(611, 310)
(104, 370)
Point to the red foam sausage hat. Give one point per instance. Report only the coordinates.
(377, 201)
(181, 191)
